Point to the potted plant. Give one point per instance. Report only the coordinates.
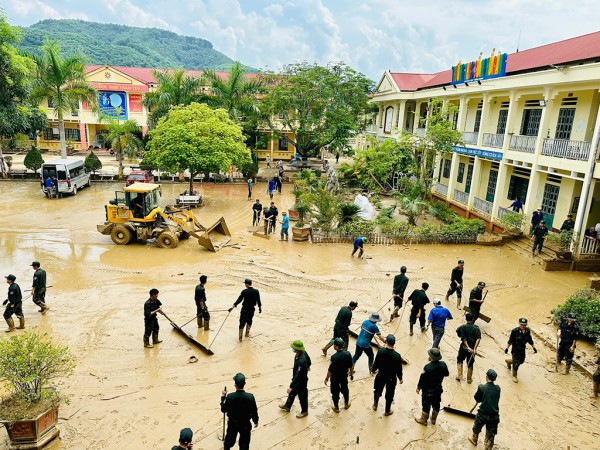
(29, 365)
(513, 223)
(300, 231)
(561, 242)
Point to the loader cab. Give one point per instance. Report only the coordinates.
(139, 198)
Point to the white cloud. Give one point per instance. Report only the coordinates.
(128, 13)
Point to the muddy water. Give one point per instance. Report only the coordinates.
(124, 396)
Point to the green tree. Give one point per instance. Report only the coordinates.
(33, 159)
(198, 139)
(63, 81)
(174, 88)
(322, 106)
(124, 138)
(92, 163)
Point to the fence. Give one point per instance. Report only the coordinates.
(482, 206)
(502, 211)
(389, 239)
(589, 247)
(493, 140)
(441, 189)
(564, 148)
(525, 144)
(461, 196)
(470, 137)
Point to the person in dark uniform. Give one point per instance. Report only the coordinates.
(470, 337)
(339, 369)
(430, 386)
(476, 300)
(519, 338)
(568, 224)
(38, 288)
(151, 308)
(14, 304)
(488, 415)
(568, 334)
(268, 220)
(340, 329)
(388, 366)
(299, 384)
(536, 218)
(274, 213)
(400, 284)
(419, 299)
(185, 440)
(202, 314)
(256, 210)
(250, 298)
(456, 282)
(240, 407)
(539, 234)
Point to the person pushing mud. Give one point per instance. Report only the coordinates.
(202, 314)
(340, 329)
(456, 282)
(419, 299)
(470, 338)
(249, 298)
(400, 284)
(152, 307)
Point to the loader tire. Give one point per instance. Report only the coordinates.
(167, 239)
(121, 235)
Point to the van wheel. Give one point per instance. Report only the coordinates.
(74, 190)
(121, 235)
(167, 239)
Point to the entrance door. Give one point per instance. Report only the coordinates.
(491, 188)
(549, 203)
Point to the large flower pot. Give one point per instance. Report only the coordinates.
(293, 215)
(33, 434)
(300, 234)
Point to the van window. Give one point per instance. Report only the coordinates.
(49, 171)
(61, 175)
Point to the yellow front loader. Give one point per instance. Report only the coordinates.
(136, 214)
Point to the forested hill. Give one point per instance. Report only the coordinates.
(121, 45)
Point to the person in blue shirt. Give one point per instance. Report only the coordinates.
(285, 225)
(249, 189)
(517, 205)
(358, 245)
(437, 319)
(368, 330)
(271, 188)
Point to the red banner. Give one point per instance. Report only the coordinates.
(135, 103)
(119, 87)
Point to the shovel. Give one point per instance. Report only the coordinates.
(460, 412)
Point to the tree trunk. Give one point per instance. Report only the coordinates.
(61, 134)
(192, 175)
(2, 162)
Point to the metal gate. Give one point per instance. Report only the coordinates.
(549, 203)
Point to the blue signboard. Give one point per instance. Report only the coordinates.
(109, 101)
(470, 151)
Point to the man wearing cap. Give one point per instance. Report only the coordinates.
(437, 319)
(419, 299)
(256, 210)
(340, 329)
(488, 415)
(430, 386)
(358, 244)
(240, 407)
(285, 226)
(536, 218)
(185, 440)
(250, 298)
(299, 385)
(568, 334)
(400, 284)
(368, 330)
(568, 224)
(38, 288)
(152, 307)
(14, 304)
(539, 234)
(388, 367)
(519, 338)
(470, 337)
(456, 282)
(339, 369)
(476, 300)
(202, 314)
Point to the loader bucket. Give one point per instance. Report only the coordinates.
(215, 236)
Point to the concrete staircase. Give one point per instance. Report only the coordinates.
(547, 259)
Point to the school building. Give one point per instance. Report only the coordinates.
(530, 130)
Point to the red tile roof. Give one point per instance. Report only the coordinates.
(579, 48)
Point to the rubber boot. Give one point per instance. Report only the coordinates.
(446, 298)
(200, 321)
(473, 439)
(11, 325)
(206, 322)
(459, 372)
(324, 349)
(567, 369)
(514, 376)
(241, 333)
(335, 408)
(458, 300)
(155, 339)
(595, 387)
(247, 330)
(489, 443)
(44, 309)
(147, 343)
(469, 374)
(434, 415)
(411, 329)
(21, 323)
(423, 419)
(508, 363)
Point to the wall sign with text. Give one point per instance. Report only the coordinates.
(109, 102)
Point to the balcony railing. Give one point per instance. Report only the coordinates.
(589, 247)
(441, 189)
(493, 140)
(502, 211)
(525, 144)
(461, 196)
(470, 137)
(420, 132)
(482, 206)
(564, 148)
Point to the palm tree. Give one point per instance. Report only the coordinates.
(63, 81)
(234, 92)
(174, 88)
(123, 138)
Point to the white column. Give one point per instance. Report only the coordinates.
(544, 120)
(417, 115)
(500, 186)
(462, 114)
(511, 120)
(475, 181)
(485, 113)
(532, 202)
(453, 172)
(400, 116)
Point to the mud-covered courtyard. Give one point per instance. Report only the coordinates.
(123, 396)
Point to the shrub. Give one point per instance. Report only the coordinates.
(357, 227)
(585, 304)
(348, 212)
(512, 221)
(395, 228)
(92, 162)
(386, 213)
(561, 241)
(442, 211)
(33, 160)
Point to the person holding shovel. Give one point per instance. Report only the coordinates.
(151, 308)
(419, 299)
(400, 284)
(240, 407)
(488, 415)
(430, 386)
(202, 313)
(249, 298)
(568, 334)
(470, 337)
(476, 299)
(456, 282)
(299, 384)
(519, 338)
(38, 287)
(368, 330)
(359, 244)
(342, 323)
(256, 210)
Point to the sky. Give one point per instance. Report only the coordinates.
(423, 36)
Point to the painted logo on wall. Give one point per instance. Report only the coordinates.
(109, 102)
(480, 69)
